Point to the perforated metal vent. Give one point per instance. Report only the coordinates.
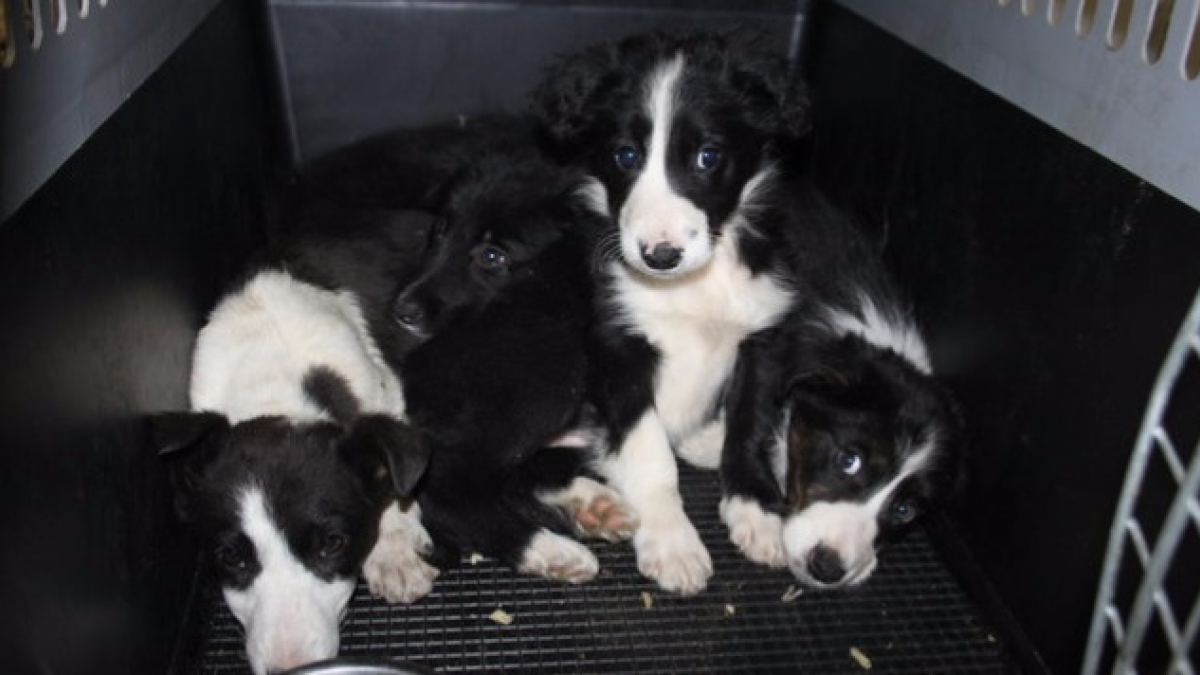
(1120, 76)
(24, 24)
(65, 66)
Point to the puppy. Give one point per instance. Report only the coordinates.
(504, 303)
(292, 460)
(838, 435)
(682, 140)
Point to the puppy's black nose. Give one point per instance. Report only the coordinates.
(410, 314)
(663, 256)
(825, 565)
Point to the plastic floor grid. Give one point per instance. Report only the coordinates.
(910, 617)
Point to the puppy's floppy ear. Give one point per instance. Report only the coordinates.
(187, 441)
(820, 382)
(776, 97)
(390, 455)
(563, 101)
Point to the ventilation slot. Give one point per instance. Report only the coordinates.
(1118, 29)
(8, 50)
(1087, 18)
(1160, 21)
(1191, 60)
(1054, 11)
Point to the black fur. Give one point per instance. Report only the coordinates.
(748, 106)
(324, 482)
(827, 392)
(504, 292)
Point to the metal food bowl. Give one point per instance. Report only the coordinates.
(353, 666)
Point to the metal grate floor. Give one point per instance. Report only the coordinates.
(910, 617)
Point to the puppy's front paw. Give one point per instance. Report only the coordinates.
(396, 572)
(558, 558)
(757, 533)
(673, 555)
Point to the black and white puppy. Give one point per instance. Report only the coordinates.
(504, 296)
(682, 140)
(291, 464)
(838, 435)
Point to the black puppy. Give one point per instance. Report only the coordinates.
(500, 387)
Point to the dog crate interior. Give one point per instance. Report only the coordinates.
(1028, 166)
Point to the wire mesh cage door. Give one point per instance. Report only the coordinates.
(1147, 610)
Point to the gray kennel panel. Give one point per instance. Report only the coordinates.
(348, 70)
(1119, 76)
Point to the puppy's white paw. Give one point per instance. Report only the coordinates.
(672, 554)
(558, 558)
(394, 570)
(703, 448)
(757, 533)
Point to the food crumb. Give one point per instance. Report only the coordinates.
(647, 600)
(730, 610)
(860, 658)
(475, 559)
(501, 617)
(791, 594)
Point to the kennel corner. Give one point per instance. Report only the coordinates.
(1031, 166)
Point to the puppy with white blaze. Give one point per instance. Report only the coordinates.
(839, 437)
(295, 463)
(682, 141)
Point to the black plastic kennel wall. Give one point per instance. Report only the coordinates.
(1032, 185)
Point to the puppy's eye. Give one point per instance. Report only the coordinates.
(491, 257)
(231, 558)
(332, 545)
(627, 157)
(904, 511)
(708, 158)
(848, 462)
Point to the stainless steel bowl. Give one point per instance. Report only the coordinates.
(359, 666)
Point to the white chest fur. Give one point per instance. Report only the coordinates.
(259, 344)
(697, 323)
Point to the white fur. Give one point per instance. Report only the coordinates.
(897, 333)
(702, 449)
(697, 323)
(654, 212)
(595, 196)
(250, 361)
(559, 558)
(668, 547)
(696, 315)
(846, 527)
(757, 533)
(394, 570)
(260, 342)
(290, 616)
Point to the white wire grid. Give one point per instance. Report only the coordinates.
(1121, 629)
